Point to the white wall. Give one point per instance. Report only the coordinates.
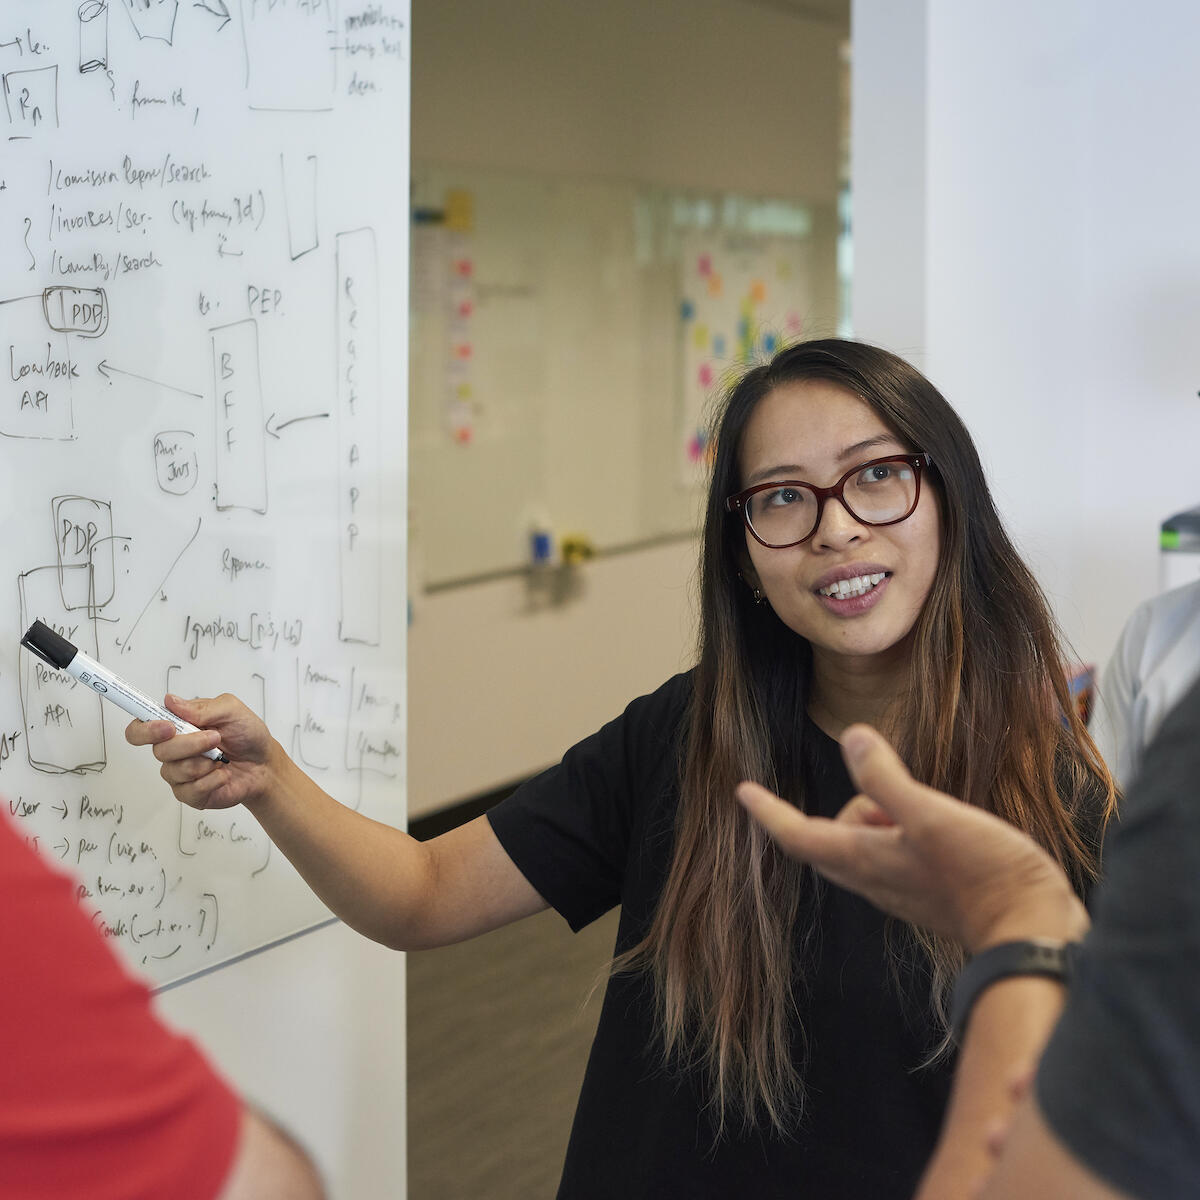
(1057, 298)
(502, 683)
(312, 1032)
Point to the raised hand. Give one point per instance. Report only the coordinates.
(924, 856)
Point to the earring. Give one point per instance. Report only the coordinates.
(759, 596)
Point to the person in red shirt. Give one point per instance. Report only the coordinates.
(98, 1098)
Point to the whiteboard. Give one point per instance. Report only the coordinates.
(203, 305)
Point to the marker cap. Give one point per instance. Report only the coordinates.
(48, 646)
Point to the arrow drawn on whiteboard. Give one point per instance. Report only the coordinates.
(104, 366)
(216, 8)
(125, 642)
(290, 421)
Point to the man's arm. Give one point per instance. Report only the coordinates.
(963, 873)
(1033, 1156)
(270, 1165)
(1007, 1031)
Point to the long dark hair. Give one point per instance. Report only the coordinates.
(987, 717)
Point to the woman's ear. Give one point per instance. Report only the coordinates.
(745, 569)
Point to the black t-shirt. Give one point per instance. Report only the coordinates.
(1120, 1080)
(596, 831)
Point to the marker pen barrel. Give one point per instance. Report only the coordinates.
(54, 649)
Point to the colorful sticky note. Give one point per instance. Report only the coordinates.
(698, 448)
(460, 210)
(466, 308)
(758, 291)
(794, 323)
(463, 267)
(770, 342)
(700, 337)
(747, 336)
(714, 285)
(718, 345)
(687, 310)
(706, 375)
(704, 264)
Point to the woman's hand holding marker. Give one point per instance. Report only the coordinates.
(200, 782)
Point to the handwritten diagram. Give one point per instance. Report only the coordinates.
(203, 430)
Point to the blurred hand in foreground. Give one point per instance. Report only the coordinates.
(923, 856)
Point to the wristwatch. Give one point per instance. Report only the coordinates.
(1037, 956)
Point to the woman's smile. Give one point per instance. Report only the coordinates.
(854, 589)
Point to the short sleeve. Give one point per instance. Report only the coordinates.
(569, 830)
(1113, 725)
(1119, 1082)
(98, 1097)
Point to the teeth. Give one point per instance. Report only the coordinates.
(845, 588)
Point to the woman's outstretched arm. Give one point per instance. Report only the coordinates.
(406, 894)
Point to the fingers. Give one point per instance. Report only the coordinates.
(148, 733)
(153, 733)
(878, 771)
(195, 782)
(814, 840)
(186, 745)
(772, 813)
(169, 745)
(188, 769)
(776, 816)
(862, 810)
(201, 711)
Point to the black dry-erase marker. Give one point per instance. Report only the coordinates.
(54, 649)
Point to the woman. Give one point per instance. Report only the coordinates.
(761, 1035)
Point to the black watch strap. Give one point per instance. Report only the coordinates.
(1038, 956)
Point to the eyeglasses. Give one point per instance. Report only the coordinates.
(787, 512)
